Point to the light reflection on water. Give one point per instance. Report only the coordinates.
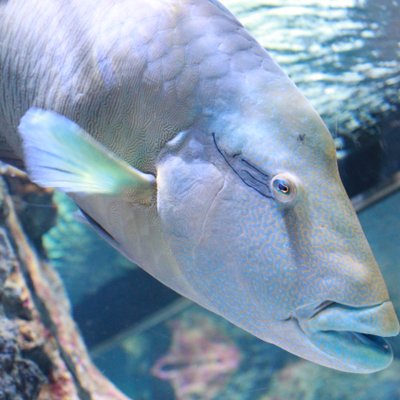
(344, 55)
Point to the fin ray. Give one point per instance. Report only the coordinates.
(60, 154)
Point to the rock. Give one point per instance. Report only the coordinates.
(19, 378)
(42, 355)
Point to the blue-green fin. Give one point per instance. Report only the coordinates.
(60, 154)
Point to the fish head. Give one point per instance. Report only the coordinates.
(265, 235)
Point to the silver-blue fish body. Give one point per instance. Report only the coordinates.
(224, 179)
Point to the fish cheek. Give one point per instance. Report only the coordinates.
(186, 191)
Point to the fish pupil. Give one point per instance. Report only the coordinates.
(282, 187)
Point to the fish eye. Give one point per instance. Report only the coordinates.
(284, 188)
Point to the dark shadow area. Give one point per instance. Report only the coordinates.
(119, 305)
(373, 157)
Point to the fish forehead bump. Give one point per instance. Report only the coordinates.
(278, 135)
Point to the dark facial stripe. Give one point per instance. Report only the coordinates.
(249, 174)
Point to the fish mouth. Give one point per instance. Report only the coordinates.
(353, 336)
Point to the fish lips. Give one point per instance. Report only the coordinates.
(354, 335)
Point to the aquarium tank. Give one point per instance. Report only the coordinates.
(344, 56)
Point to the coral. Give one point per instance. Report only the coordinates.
(200, 360)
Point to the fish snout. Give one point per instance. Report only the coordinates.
(355, 281)
(353, 335)
(380, 320)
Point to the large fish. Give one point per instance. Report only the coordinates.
(203, 164)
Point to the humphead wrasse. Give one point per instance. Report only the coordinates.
(191, 151)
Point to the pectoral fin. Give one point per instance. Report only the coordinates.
(60, 154)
